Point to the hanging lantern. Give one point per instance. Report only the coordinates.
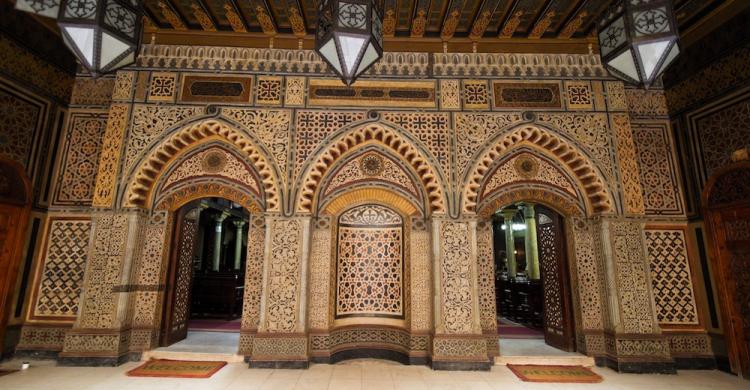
(103, 34)
(349, 36)
(638, 40)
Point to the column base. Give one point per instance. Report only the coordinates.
(695, 363)
(279, 350)
(641, 367)
(286, 364)
(98, 361)
(460, 352)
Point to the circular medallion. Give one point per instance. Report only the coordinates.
(526, 167)
(214, 161)
(371, 164)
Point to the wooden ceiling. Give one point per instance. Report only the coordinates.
(562, 26)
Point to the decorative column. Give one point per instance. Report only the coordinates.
(101, 334)
(510, 245)
(217, 241)
(238, 244)
(633, 339)
(282, 339)
(532, 248)
(458, 343)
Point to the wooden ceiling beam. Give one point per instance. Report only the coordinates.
(511, 21)
(296, 18)
(234, 16)
(390, 11)
(419, 18)
(172, 16)
(204, 17)
(543, 20)
(574, 21)
(451, 19)
(263, 15)
(482, 19)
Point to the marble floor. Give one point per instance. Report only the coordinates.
(530, 347)
(206, 342)
(352, 375)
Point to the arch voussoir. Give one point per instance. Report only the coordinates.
(592, 184)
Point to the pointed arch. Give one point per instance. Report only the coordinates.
(354, 139)
(143, 179)
(592, 182)
(370, 166)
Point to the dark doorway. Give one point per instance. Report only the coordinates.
(532, 284)
(206, 275)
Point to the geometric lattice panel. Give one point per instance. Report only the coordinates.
(19, 123)
(369, 275)
(670, 277)
(77, 175)
(61, 277)
(661, 188)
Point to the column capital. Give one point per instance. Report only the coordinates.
(528, 210)
(239, 223)
(509, 212)
(221, 217)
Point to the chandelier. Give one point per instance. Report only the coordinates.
(103, 34)
(349, 36)
(638, 40)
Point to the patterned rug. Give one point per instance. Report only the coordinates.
(554, 374)
(7, 372)
(176, 369)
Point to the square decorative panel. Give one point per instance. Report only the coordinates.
(163, 87)
(268, 91)
(579, 95)
(476, 95)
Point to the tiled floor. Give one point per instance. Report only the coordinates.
(352, 375)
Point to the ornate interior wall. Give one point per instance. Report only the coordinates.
(442, 148)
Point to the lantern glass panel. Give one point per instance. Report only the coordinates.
(371, 55)
(48, 8)
(329, 52)
(120, 18)
(651, 21)
(625, 63)
(83, 40)
(650, 54)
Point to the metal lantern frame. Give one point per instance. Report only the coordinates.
(339, 25)
(104, 35)
(633, 29)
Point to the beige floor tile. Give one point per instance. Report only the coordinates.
(312, 384)
(345, 384)
(384, 384)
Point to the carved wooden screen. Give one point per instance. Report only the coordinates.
(558, 319)
(177, 312)
(14, 216)
(370, 265)
(727, 202)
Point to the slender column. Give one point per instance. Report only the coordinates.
(217, 241)
(238, 243)
(532, 248)
(510, 245)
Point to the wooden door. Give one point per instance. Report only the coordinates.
(732, 231)
(179, 283)
(14, 217)
(558, 318)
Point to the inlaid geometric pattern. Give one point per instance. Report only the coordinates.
(723, 131)
(20, 118)
(61, 277)
(430, 128)
(369, 274)
(671, 277)
(579, 95)
(313, 126)
(661, 186)
(82, 144)
(475, 94)
(213, 161)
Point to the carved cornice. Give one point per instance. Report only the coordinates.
(393, 64)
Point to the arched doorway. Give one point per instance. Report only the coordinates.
(726, 204)
(206, 276)
(15, 205)
(532, 283)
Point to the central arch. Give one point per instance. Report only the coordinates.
(388, 138)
